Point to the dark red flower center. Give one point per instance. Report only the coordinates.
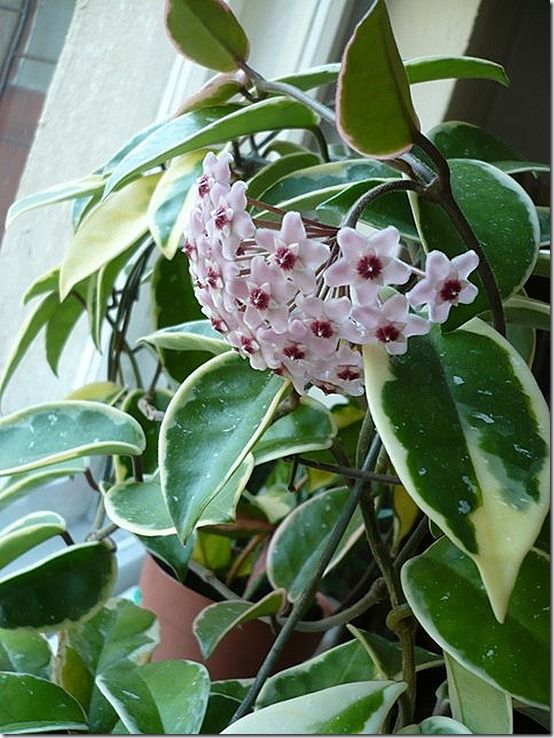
(247, 345)
(294, 352)
(221, 218)
(203, 186)
(450, 290)
(284, 258)
(188, 248)
(212, 277)
(218, 325)
(322, 328)
(369, 266)
(348, 374)
(387, 333)
(259, 299)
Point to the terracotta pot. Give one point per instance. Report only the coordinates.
(240, 653)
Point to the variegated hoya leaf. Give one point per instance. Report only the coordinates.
(466, 428)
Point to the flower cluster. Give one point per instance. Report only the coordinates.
(300, 298)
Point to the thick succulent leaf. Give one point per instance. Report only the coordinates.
(386, 655)
(167, 216)
(65, 191)
(168, 697)
(61, 325)
(120, 634)
(382, 121)
(207, 127)
(218, 90)
(207, 32)
(435, 725)
(267, 176)
(225, 697)
(27, 532)
(60, 431)
(159, 399)
(504, 220)
(106, 392)
(215, 621)
(298, 542)
(18, 485)
(30, 704)
(307, 428)
(141, 508)
(25, 652)
(442, 585)
(58, 590)
(170, 550)
(484, 709)
(110, 229)
(517, 167)
(210, 426)
(131, 144)
(523, 310)
(194, 335)
(47, 282)
(391, 209)
(173, 302)
(466, 429)
(460, 140)
(358, 707)
(429, 68)
(342, 664)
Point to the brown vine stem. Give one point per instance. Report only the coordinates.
(395, 185)
(350, 472)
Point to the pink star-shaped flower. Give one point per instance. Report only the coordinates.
(328, 320)
(216, 179)
(445, 284)
(367, 263)
(295, 255)
(229, 220)
(391, 324)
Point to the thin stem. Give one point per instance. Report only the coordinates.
(99, 535)
(67, 538)
(91, 480)
(306, 598)
(321, 143)
(395, 185)
(411, 545)
(137, 468)
(364, 439)
(350, 472)
(99, 515)
(445, 198)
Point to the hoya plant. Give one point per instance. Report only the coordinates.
(335, 400)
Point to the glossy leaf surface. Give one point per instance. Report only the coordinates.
(194, 335)
(211, 424)
(435, 725)
(60, 589)
(207, 127)
(460, 140)
(359, 707)
(382, 121)
(386, 655)
(472, 455)
(443, 582)
(267, 176)
(426, 69)
(17, 485)
(25, 652)
(308, 428)
(215, 621)
(33, 705)
(207, 32)
(46, 434)
(225, 697)
(28, 532)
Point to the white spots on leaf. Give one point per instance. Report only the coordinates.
(458, 380)
(464, 507)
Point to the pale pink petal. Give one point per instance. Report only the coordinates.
(292, 228)
(267, 238)
(338, 309)
(340, 273)
(398, 347)
(366, 292)
(352, 243)
(386, 241)
(423, 292)
(468, 293)
(395, 309)
(437, 266)
(417, 326)
(313, 253)
(465, 263)
(396, 272)
(439, 313)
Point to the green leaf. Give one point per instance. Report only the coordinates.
(18, 485)
(159, 399)
(207, 127)
(358, 707)
(218, 90)
(435, 725)
(517, 167)
(120, 634)
(171, 551)
(59, 193)
(382, 121)
(33, 705)
(209, 427)
(476, 703)
(342, 664)
(59, 431)
(442, 585)
(173, 302)
(430, 68)
(465, 427)
(25, 652)
(543, 214)
(141, 508)
(390, 209)
(459, 140)
(61, 325)
(167, 214)
(58, 590)
(110, 229)
(386, 655)
(208, 33)
(276, 170)
(97, 392)
(309, 427)
(504, 220)
(215, 621)
(194, 335)
(47, 282)
(299, 540)
(225, 697)
(27, 532)
(169, 697)
(524, 310)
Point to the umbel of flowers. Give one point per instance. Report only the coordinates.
(301, 298)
